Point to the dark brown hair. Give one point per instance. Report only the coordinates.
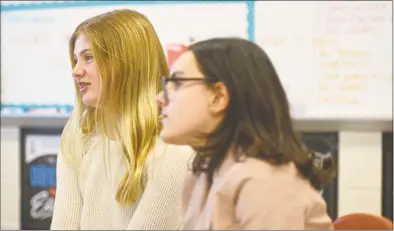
(257, 119)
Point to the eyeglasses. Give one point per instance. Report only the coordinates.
(165, 81)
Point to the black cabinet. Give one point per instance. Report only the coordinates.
(326, 143)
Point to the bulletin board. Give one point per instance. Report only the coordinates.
(334, 58)
(35, 64)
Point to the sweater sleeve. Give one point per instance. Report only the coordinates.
(160, 205)
(68, 200)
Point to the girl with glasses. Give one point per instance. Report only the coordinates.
(225, 99)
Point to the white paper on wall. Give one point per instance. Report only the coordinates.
(35, 64)
(335, 58)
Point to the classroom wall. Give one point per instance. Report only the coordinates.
(10, 178)
(360, 154)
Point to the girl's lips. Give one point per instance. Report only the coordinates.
(83, 86)
(162, 116)
(83, 89)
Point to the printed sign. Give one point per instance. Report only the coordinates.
(39, 154)
(325, 144)
(174, 51)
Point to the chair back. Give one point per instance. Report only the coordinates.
(362, 221)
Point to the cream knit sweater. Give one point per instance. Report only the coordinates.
(85, 197)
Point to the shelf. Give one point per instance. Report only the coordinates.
(304, 125)
(357, 125)
(33, 121)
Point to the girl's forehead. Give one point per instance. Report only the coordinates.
(186, 64)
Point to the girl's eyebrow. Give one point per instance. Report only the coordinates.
(83, 51)
(175, 73)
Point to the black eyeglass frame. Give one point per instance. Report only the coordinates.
(165, 80)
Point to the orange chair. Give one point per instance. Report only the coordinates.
(362, 221)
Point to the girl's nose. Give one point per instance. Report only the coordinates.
(160, 99)
(78, 72)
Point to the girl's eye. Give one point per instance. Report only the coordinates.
(177, 84)
(88, 57)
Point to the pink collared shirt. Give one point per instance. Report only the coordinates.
(252, 195)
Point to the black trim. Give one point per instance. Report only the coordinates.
(387, 175)
(24, 132)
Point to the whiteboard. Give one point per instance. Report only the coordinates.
(35, 67)
(334, 58)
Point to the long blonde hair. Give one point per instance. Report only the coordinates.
(130, 61)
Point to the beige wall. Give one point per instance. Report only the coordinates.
(359, 174)
(10, 178)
